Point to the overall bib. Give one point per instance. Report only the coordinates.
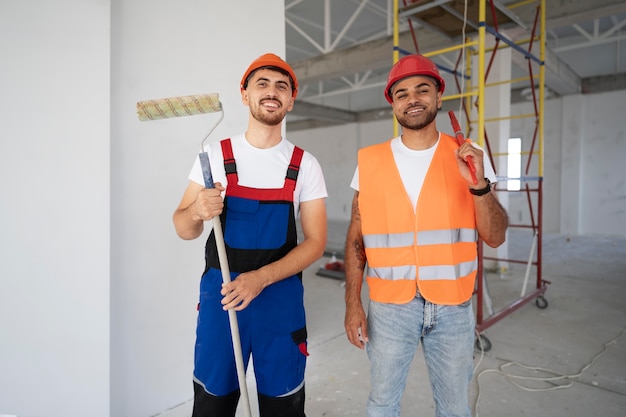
(259, 228)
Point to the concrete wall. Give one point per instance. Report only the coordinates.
(97, 293)
(584, 185)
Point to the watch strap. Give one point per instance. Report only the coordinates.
(482, 191)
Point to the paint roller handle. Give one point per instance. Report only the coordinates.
(460, 139)
(232, 315)
(206, 170)
(217, 226)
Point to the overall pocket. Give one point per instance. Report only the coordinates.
(251, 224)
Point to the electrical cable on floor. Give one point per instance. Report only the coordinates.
(558, 376)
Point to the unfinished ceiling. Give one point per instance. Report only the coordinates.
(341, 50)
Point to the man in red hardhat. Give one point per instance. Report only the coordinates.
(263, 183)
(416, 217)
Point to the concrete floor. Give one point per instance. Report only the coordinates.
(577, 344)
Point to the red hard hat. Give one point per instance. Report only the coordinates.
(271, 60)
(412, 65)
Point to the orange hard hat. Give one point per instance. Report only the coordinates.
(271, 61)
(412, 65)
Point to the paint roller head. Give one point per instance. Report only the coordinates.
(165, 108)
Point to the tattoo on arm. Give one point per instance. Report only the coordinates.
(359, 253)
(356, 213)
(357, 242)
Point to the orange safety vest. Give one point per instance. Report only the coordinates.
(432, 250)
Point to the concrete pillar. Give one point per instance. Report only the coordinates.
(572, 126)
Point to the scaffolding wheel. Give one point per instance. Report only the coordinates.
(541, 302)
(483, 343)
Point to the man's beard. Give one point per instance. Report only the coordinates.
(427, 118)
(269, 119)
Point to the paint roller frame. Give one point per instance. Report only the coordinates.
(180, 106)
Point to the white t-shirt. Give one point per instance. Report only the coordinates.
(264, 168)
(413, 166)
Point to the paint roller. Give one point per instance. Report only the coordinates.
(164, 108)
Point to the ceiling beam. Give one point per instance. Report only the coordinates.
(559, 77)
(566, 13)
(317, 111)
(377, 54)
(370, 55)
(600, 84)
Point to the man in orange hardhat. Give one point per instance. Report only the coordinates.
(270, 60)
(416, 217)
(263, 183)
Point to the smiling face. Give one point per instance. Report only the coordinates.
(269, 96)
(415, 101)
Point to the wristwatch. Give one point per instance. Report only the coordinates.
(481, 191)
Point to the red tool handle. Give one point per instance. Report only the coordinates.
(460, 139)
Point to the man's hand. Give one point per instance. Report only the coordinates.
(209, 202)
(197, 205)
(240, 292)
(356, 325)
(465, 150)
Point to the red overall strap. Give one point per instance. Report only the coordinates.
(229, 162)
(294, 168)
(265, 194)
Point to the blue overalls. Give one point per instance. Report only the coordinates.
(259, 228)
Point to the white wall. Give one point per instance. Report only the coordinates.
(584, 183)
(161, 49)
(97, 294)
(552, 168)
(603, 192)
(584, 179)
(54, 214)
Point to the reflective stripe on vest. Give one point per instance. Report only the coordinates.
(425, 237)
(425, 272)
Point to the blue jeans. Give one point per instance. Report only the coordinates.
(447, 336)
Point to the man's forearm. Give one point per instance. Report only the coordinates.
(354, 267)
(355, 259)
(298, 259)
(187, 225)
(491, 219)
